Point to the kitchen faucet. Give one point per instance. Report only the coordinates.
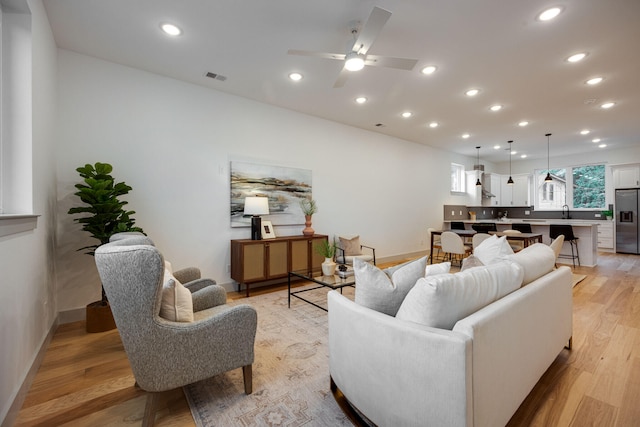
(567, 214)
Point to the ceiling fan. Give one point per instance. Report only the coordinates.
(357, 56)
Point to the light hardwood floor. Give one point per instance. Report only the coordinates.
(85, 379)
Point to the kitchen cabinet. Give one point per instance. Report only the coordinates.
(261, 260)
(491, 184)
(517, 194)
(605, 235)
(627, 176)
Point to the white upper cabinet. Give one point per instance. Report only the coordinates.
(517, 194)
(492, 186)
(627, 176)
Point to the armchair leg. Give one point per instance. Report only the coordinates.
(150, 408)
(248, 379)
(569, 345)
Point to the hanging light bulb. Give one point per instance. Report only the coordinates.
(510, 180)
(548, 178)
(478, 183)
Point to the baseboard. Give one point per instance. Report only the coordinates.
(12, 414)
(70, 316)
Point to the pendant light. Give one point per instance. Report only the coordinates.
(548, 178)
(478, 183)
(510, 180)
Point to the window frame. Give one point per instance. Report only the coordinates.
(569, 187)
(461, 175)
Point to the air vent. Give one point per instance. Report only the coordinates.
(215, 76)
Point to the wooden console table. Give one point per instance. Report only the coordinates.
(255, 261)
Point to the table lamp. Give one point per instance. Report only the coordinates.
(256, 206)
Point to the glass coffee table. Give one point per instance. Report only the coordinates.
(316, 277)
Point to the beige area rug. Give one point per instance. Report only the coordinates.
(577, 278)
(290, 372)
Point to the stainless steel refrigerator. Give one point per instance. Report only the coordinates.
(627, 230)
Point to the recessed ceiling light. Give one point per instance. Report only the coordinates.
(472, 92)
(295, 76)
(513, 153)
(549, 14)
(602, 145)
(429, 69)
(433, 124)
(523, 156)
(465, 135)
(523, 123)
(171, 29)
(594, 81)
(585, 132)
(496, 107)
(595, 140)
(407, 114)
(607, 105)
(577, 57)
(361, 99)
(496, 147)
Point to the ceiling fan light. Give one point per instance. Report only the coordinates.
(354, 62)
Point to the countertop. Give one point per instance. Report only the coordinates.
(532, 221)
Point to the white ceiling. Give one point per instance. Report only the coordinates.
(497, 46)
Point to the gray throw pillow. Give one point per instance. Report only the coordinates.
(384, 290)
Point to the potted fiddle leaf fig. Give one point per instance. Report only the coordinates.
(103, 215)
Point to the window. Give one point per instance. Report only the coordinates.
(457, 178)
(579, 187)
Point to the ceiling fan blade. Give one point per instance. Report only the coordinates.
(390, 62)
(342, 78)
(324, 55)
(371, 30)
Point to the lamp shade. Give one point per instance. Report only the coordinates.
(256, 205)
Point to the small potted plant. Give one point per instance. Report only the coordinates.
(608, 214)
(327, 250)
(308, 207)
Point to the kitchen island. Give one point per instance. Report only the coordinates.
(585, 230)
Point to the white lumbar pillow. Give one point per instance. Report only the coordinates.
(384, 290)
(440, 301)
(177, 303)
(536, 261)
(493, 249)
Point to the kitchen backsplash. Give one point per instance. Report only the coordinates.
(461, 213)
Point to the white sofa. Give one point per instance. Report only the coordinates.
(401, 373)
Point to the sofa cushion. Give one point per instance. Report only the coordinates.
(177, 303)
(440, 301)
(493, 249)
(435, 269)
(536, 261)
(384, 290)
(470, 262)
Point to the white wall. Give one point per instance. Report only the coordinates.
(27, 287)
(173, 141)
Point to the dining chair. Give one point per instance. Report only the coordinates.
(453, 247)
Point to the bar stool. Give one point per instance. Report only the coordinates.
(484, 227)
(566, 230)
(523, 228)
(457, 225)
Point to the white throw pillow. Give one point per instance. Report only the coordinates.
(493, 249)
(536, 261)
(435, 269)
(384, 290)
(440, 301)
(177, 303)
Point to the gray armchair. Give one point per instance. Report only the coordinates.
(163, 354)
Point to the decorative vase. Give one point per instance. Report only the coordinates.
(328, 267)
(308, 231)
